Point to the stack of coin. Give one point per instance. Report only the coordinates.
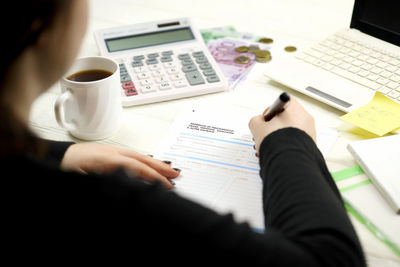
(263, 56)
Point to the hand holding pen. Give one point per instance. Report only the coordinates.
(285, 112)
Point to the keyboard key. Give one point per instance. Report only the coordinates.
(354, 77)
(140, 69)
(169, 65)
(393, 94)
(384, 90)
(157, 73)
(194, 78)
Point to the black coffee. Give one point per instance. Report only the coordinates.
(89, 75)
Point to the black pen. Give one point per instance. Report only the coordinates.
(277, 107)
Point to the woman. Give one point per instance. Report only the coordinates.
(72, 197)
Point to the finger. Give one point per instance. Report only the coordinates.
(145, 172)
(265, 111)
(163, 168)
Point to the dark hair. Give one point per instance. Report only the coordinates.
(32, 17)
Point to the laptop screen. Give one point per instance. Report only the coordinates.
(378, 18)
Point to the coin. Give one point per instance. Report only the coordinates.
(262, 53)
(242, 59)
(253, 48)
(263, 60)
(290, 49)
(242, 49)
(266, 40)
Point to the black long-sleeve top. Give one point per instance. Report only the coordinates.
(52, 214)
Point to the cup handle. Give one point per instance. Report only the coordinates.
(60, 112)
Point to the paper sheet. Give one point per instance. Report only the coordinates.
(218, 163)
(380, 116)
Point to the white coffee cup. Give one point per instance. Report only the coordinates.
(90, 110)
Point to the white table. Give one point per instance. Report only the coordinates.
(288, 22)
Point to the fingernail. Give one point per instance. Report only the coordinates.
(177, 169)
(150, 155)
(167, 162)
(172, 182)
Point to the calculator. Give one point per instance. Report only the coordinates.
(161, 61)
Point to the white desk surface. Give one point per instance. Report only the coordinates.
(288, 22)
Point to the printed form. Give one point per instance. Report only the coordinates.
(218, 163)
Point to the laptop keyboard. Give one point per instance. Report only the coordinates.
(358, 62)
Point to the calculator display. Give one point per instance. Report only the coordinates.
(149, 39)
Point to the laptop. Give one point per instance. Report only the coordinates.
(347, 68)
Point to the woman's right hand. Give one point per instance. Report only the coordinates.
(294, 115)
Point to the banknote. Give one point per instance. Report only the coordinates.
(224, 53)
(223, 32)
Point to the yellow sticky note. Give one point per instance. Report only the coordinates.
(380, 116)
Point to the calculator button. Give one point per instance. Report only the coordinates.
(167, 53)
(169, 65)
(138, 58)
(212, 79)
(127, 85)
(172, 70)
(165, 86)
(126, 78)
(204, 66)
(145, 82)
(183, 56)
(143, 75)
(137, 64)
(131, 92)
(200, 60)
(209, 72)
(166, 59)
(176, 77)
(157, 73)
(194, 78)
(189, 68)
(198, 54)
(161, 79)
(148, 89)
(139, 69)
(155, 67)
(186, 62)
(180, 83)
(153, 55)
(151, 61)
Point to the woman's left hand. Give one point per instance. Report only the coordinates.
(101, 158)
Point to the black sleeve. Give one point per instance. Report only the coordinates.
(306, 223)
(55, 150)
